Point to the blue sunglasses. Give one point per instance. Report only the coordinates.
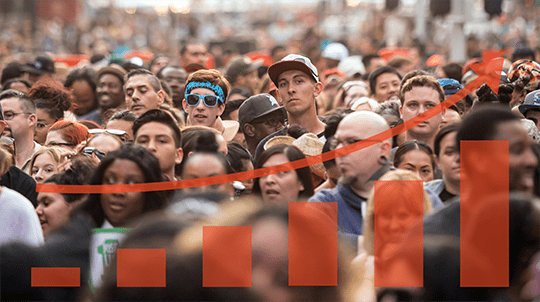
(209, 100)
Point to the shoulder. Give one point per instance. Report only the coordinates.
(436, 185)
(326, 195)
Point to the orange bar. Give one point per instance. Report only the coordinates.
(226, 256)
(56, 277)
(313, 244)
(141, 267)
(484, 237)
(398, 206)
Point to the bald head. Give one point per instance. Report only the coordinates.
(365, 122)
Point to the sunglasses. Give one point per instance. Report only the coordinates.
(209, 100)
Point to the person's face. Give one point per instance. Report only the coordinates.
(391, 226)
(176, 78)
(205, 165)
(417, 101)
(159, 63)
(534, 115)
(450, 117)
(44, 122)
(281, 187)
(418, 162)
(43, 168)
(159, 139)
(110, 92)
(252, 80)
(104, 143)
(376, 63)
(55, 138)
(201, 114)
(522, 160)
(122, 125)
(53, 211)
(448, 159)
(120, 208)
(267, 124)
(358, 166)
(386, 87)
(354, 92)
(85, 98)
(20, 123)
(270, 259)
(141, 96)
(195, 54)
(297, 91)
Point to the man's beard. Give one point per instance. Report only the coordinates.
(348, 180)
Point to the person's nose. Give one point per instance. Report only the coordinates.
(39, 176)
(200, 106)
(151, 146)
(135, 96)
(39, 209)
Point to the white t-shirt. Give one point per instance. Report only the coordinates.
(18, 219)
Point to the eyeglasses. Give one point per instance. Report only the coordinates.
(89, 150)
(8, 115)
(209, 100)
(335, 143)
(269, 121)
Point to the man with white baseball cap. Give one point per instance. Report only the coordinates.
(334, 53)
(298, 84)
(531, 107)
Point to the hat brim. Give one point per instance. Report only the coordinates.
(280, 109)
(254, 66)
(524, 108)
(31, 70)
(230, 129)
(280, 67)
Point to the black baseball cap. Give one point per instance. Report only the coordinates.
(42, 64)
(257, 106)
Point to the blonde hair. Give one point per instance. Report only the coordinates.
(54, 152)
(369, 221)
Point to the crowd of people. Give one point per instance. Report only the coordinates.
(120, 123)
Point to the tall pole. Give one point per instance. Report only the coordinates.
(457, 37)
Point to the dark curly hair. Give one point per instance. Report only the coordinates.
(52, 97)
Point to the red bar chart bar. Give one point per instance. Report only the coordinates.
(313, 244)
(56, 277)
(141, 267)
(484, 214)
(227, 256)
(398, 213)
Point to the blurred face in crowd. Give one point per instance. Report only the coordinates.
(141, 96)
(120, 208)
(205, 165)
(450, 117)
(522, 160)
(533, 115)
(374, 64)
(201, 114)
(85, 98)
(386, 87)
(43, 168)
(281, 187)
(18, 123)
(417, 101)
(297, 91)
(195, 54)
(122, 125)
(176, 78)
(104, 143)
(159, 63)
(265, 125)
(354, 92)
(44, 122)
(419, 162)
(53, 211)
(250, 80)
(448, 158)
(110, 91)
(158, 138)
(19, 86)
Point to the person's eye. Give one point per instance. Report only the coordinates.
(34, 172)
(109, 180)
(143, 91)
(299, 81)
(129, 94)
(429, 106)
(412, 105)
(282, 84)
(426, 171)
(49, 170)
(383, 87)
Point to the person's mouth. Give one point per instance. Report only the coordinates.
(116, 206)
(137, 107)
(271, 193)
(199, 117)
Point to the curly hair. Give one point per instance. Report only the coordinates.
(52, 97)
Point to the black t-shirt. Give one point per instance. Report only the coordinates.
(445, 195)
(21, 182)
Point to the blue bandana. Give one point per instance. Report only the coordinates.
(215, 88)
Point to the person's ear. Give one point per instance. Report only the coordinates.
(318, 89)
(2, 126)
(249, 130)
(32, 118)
(179, 156)
(184, 105)
(221, 108)
(401, 112)
(161, 95)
